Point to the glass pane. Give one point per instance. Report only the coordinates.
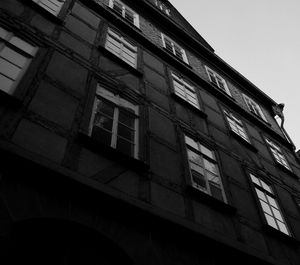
(191, 142)
(9, 69)
(198, 180)
(216, 192)
(210, 167)
(103, 122)
(125, 132)
(197, 168)
(6, 84)
(213, 178)
(272, 202)
(207, 152)
(101, 135)
(195, 158)
(255, 179)
(266, 208)
(261, 195)
(125, 146)
(24, 46)
(126, 118)
(14, 57)
(117, 7)
(271, 221)
(277, 214)
(265, 186)
(106, 108)
(3, 33)
(283, 228)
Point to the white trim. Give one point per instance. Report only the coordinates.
(218, 78)
(174, 44)
(136, 20)
(253, 107)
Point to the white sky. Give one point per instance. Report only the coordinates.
(258, 38)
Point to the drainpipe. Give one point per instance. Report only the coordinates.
(278, 110)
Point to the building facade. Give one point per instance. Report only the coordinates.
(125, 138)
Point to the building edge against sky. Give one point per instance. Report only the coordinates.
(125, 138)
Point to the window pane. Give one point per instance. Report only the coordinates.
(101, 135)
(3, 33)
(191, 142)
(213, 178)
(210, 166)
(6, 84)
(9, 69)
(277, 214)
(207, 152)
(24, 46)
(126, 118)
(103, 122)
(106, 108)
(216, 192)
(194, 157)
(261, 195)
(271, 221)
(266, 208)
(272, 202)
(14, 57)
(125, 132)
(198, 180)
(283, 228)
(125, 146)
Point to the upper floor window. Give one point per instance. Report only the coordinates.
(204, 171)
(114, 121)
(236, 125)
(217, 80)
(160, 5)
(254, 107)
(52, 6)
(121, 47)
(278, 154)
(15, 58)
(126, 12)
(174, 48)
(184, 90)
(269, 205)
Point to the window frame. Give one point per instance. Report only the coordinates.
(30, 57)
(136, 19)
(187, 87)
(118, 102)
(211, 159)
(254, 108)
(219, 78)
(123, 47)
(57, 13)
(278, 154)
(163, 8)
(173, 44)
(236, 122)
(267, 199)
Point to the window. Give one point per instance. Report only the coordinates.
(278, 154)
(114, 122)
(174, 48)
(162, 7)
(15, 58)
(125, 12)
(269, 205)
(217, 80)
(236, 125)
(204, 171)
(184, 90)
(254, 107)
(52, 6)
(121, 47)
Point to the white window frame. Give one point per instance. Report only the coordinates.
(162, 7)
(236, 125)
(217, 80)
(10, 44)
(118, 102)
(278, 154)
(184, 90)
(254, 108)
(205, 157)
(125, 8)
(269, 205)
(52, 6)
(174, 45)
(121, 47)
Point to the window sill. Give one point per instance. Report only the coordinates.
(56, 19)
(190, 106)
(112, 153)
(120, 61)
(211, 201)
(290, 172)
(280, 235)
(243, 141)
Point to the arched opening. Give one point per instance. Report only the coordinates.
(46, 241)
